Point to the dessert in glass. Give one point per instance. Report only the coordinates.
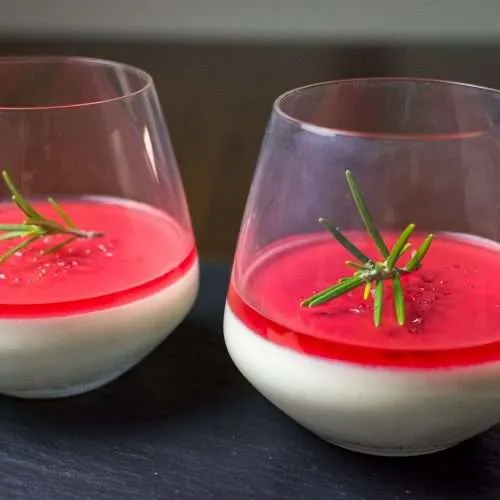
(98, 263)
(364, 298)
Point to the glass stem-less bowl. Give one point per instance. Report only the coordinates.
(400, 369)
(92, 282)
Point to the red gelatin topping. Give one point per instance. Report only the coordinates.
(452, 303)
(142, 251)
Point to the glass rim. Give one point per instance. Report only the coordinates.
(83, 61)
(332, 131)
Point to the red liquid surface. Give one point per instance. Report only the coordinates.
(142, 251)
(452, 303)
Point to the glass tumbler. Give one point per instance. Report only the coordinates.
(98, 263)
(364, 299)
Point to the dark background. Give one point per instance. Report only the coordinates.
(217, 97)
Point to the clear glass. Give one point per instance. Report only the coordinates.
(423, 152)
(77, 126)
(92, 131)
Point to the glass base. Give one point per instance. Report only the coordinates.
(66, 391)
(390, 452)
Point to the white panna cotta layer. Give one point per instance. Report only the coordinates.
(372, 409)
(67, 355)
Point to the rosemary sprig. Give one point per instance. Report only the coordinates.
(37, 226)
(369, 273)
(365, 214)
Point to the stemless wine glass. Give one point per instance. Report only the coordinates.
(400, 354)
(98, 262)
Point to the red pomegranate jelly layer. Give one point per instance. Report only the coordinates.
(142, 250)
(452, 303)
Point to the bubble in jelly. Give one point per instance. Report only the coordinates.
(415, 325)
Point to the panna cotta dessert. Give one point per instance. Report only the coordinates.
(380, 332)
(77, 312)
(391, 390)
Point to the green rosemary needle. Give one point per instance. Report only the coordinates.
(369, 273)
(37, 226)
